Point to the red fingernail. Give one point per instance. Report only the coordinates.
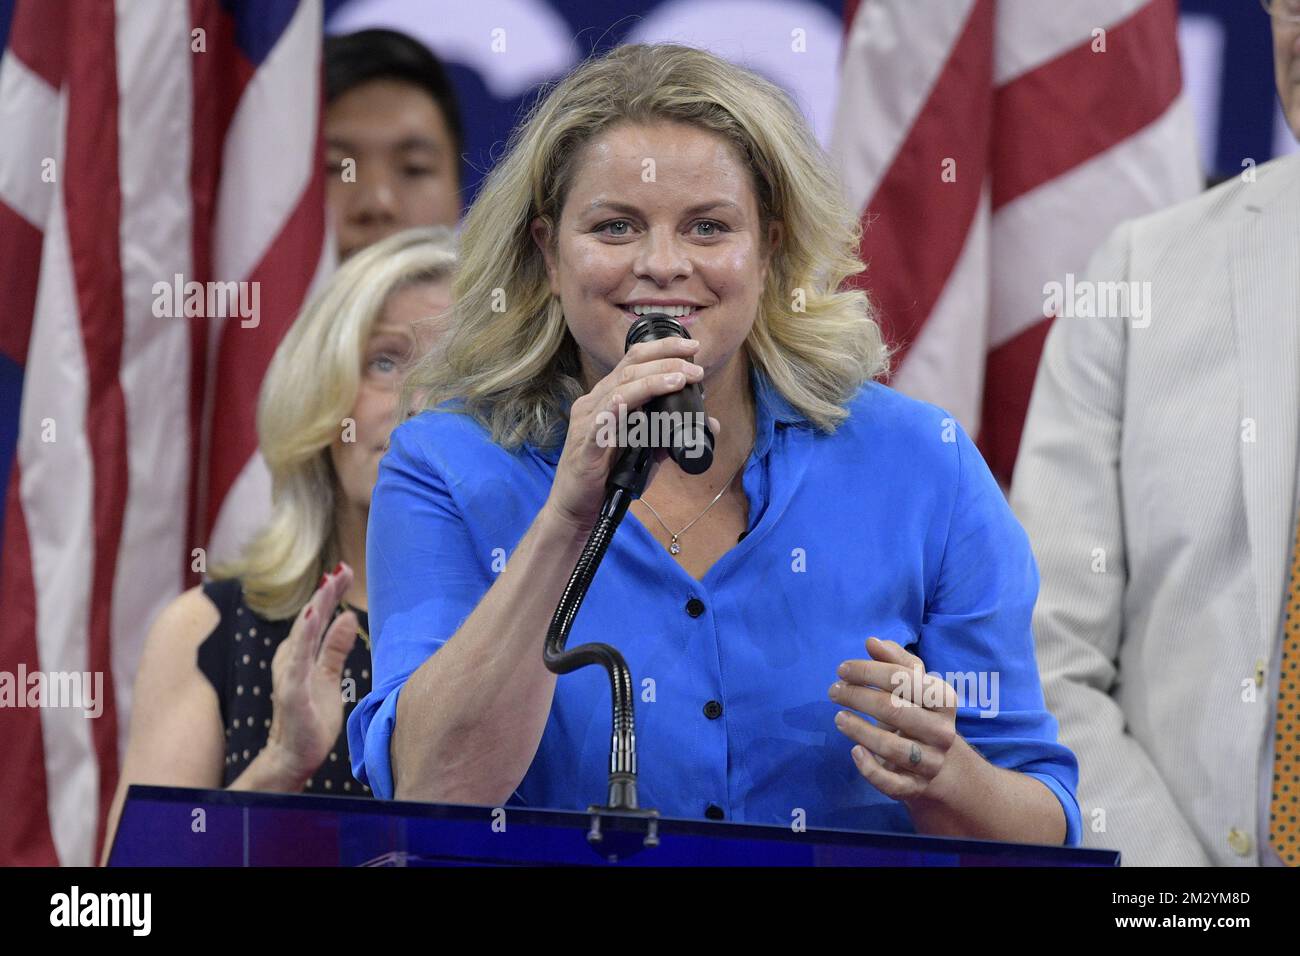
(307, 615)
(323, 579)
(338, 567)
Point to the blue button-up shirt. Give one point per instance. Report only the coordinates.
(892, 526)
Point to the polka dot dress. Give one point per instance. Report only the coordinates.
(1285, 805)
(236, 660)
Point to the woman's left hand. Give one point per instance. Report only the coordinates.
(913, 753)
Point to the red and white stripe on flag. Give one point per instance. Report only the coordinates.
(991, 145)
(142, 142)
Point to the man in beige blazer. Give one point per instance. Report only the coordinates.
(1157, 482)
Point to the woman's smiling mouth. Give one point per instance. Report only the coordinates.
(683, 313)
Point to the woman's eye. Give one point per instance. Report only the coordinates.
(417, 171)
(622, 228)
(383, 364)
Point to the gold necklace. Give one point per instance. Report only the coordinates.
(673, 547)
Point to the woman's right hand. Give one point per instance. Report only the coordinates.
(306, 680)
(646, 371)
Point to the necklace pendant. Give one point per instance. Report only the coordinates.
(674, 547)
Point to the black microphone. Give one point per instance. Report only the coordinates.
(681, 413)
(690, 442)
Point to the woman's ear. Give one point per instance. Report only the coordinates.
(543, 234)
(775, 235)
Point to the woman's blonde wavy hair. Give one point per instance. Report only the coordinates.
(309, 388)
(511, 358)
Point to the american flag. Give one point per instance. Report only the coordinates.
(144, 144)
(991, 145)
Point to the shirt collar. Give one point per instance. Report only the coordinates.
(771, 409)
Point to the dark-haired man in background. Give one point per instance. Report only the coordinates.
(393, 138)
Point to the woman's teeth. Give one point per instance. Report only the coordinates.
(676, 311)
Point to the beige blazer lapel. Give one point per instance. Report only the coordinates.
(1264, 252)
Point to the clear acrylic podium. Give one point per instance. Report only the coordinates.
(167, 826)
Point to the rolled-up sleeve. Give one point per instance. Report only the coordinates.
(977, 634)
(424, 577)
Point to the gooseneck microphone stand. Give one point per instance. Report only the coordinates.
(626, 482)
(622, 798)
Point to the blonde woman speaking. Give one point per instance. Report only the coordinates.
(838, 517)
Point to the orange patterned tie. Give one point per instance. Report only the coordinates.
(1285, 806)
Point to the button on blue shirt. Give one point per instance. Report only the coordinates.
(892, 526)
